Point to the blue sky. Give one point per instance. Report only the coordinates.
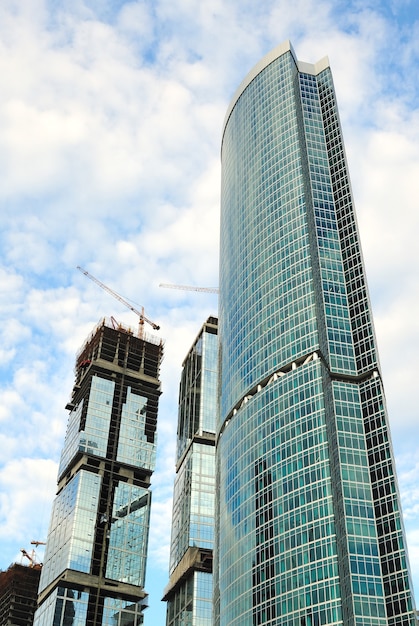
(110, 126)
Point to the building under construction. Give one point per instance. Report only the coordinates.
(18, 594)
(96, 551)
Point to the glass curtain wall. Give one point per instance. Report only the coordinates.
(189, 592)
(309, 529)
(95, 559)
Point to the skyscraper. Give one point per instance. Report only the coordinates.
(96, 549)
(189, 592)
(309, 525)
(18, 594)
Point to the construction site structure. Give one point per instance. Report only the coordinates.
(18, 594)
(95, 558)
(32, 556)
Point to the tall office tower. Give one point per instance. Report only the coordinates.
(309, 525)
(189, 592)
(96, 549)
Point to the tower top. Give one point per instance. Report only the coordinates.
(283, 48)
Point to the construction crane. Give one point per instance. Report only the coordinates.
(141, 316)
(32, 558)
(190, 288)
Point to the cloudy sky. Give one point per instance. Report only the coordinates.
(110, 124)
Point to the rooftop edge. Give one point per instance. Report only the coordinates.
(283, 48)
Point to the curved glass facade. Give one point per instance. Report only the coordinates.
(303, 534)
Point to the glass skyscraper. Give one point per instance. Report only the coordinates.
(309, 527)
(189, 592)
(96, 549)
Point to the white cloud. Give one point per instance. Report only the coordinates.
(408, 476)
(10, 402)
(27, 486)
(385, 174)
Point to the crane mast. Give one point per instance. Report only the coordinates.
(141, 316)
